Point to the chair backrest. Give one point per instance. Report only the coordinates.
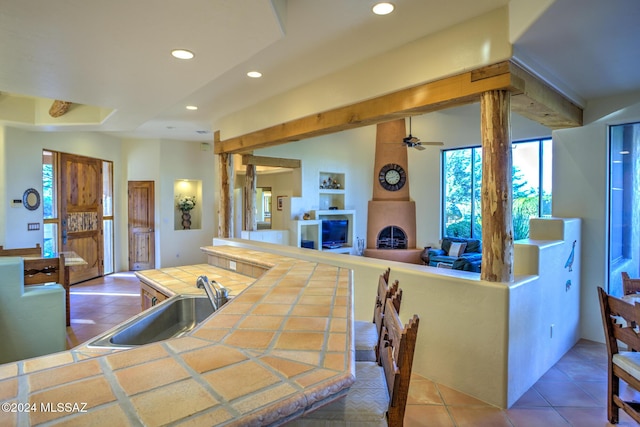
(396, 291)
(37, 251)
(629, 285)
(396, 357)
(385, 291)
(386, 274)
(44, 270)
(620, 320)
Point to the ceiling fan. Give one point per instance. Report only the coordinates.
(414, 142)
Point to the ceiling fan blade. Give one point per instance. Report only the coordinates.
(418, 146)
(431, 143)
(410, 139)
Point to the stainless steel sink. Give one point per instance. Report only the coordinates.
(172, 318)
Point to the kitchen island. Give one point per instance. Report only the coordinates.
(280, 347)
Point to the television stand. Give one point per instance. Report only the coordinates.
(332, 245)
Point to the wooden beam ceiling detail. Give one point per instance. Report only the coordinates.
(59, 108)
(534, 100)
(276, 162)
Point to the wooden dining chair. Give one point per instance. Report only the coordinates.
(621, 320)
(629, 285)
(380, 392)
(367, 334)
(37, 251)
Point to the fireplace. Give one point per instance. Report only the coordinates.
(392, 237)
(391, 217)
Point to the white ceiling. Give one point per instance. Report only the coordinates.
(115, 54)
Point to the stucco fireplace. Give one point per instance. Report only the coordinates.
(391, 218)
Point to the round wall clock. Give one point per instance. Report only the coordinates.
(392, 177)
(31, 199)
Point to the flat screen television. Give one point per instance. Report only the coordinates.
(334, 232)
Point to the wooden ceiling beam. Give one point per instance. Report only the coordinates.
(59, 108)
(275, 162)
(448, 92)
(536, 100)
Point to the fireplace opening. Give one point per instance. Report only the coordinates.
(392, 237)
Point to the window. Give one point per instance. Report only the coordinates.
(462, 179)
(49, 203)
(107, 216)
(624, 183)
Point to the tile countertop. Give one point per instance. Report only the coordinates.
(182, 280)
(280, 347)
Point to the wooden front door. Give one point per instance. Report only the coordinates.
(141, 225)
(81, 213)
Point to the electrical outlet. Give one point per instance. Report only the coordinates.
(232, 265)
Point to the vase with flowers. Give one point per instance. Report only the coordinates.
(185, 204)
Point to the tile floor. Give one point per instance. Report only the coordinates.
(571, 393)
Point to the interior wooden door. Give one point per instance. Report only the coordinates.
(81, 214)
(141, 225)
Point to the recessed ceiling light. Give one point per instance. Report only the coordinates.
(191, 107)
(254, 74)
(383, 8)
(182, 54)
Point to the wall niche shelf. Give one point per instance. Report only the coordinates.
(306, 233)
(193, 218)
(331, 190)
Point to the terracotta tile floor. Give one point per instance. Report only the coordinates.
(99, 304)
(571, 393)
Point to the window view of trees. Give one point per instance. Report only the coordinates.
(624, 217)
(49, 247)
(462, 188)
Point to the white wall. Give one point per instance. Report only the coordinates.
(580, 165)
(4, 184)
(161, 161)
(184, 161)
(164, 162)
(22, 162)
(480, 41)
(544, 313)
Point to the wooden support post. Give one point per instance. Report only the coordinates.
(250, 180)
(497, 224)
(225, 211)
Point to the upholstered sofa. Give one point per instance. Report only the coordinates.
(457, 253)
(32, 318)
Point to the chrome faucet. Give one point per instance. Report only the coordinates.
(218, 294)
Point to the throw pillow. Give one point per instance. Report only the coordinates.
(457, 249)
